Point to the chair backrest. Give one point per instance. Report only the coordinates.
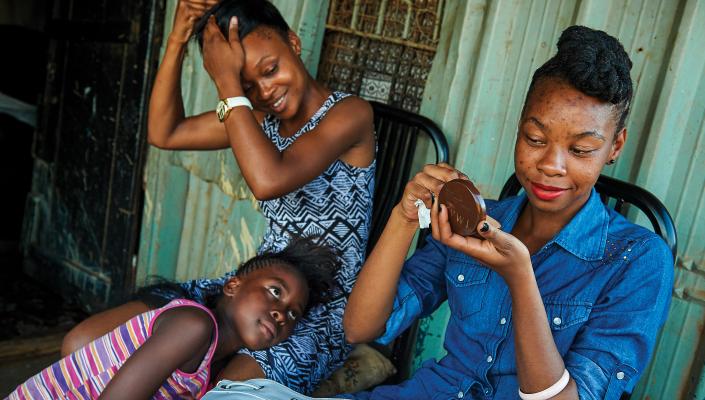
(623, 193)
(397, 133)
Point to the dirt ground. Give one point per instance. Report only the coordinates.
(32, 322)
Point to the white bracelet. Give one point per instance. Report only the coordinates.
(549, 392)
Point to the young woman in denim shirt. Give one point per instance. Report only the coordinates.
(566, 300)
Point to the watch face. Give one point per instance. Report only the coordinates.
(221, 109)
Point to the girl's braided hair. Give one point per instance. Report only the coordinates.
(596, 64)
(317, 263)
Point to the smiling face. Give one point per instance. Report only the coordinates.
(274, 77)
(263, 306)
(565, 138)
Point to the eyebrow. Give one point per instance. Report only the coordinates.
(581, 135)
(594, 134)
(262, 59)
(537, 123)
(281, 282)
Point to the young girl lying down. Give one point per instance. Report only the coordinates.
(172, 351)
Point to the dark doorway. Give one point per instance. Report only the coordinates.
(82, 216)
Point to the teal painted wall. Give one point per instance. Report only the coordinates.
(201, 220)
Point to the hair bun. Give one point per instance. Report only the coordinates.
(597, 62)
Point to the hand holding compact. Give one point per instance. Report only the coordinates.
(424, 186)
(458, 220)
(223, 59)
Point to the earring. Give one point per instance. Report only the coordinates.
(610, 162)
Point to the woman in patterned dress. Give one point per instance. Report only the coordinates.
(306, 153)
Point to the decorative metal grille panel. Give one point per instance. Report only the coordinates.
(381, 49)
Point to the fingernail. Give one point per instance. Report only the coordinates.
(485, 227)
(233, 21)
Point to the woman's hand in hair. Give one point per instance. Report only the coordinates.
(187, 13)
(425, 183)
(223, 58)
(499, 250)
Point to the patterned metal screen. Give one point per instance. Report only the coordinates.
(381, 49)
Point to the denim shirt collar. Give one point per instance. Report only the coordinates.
(585, 236)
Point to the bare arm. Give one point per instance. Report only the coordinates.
(179, 340)
(168, 128)
(346, 130)
(372, 298)
(268, 172)
(539, 364)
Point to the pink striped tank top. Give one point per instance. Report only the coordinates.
(85, 373)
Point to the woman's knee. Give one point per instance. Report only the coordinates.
(76, 338)
(98, 325)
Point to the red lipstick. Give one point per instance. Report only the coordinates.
(545, 192)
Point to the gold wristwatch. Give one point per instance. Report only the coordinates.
(225, 105)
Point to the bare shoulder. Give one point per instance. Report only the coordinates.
(191, 323)
(355, 103)
(351, 121)
(352, 115)
(353, 108)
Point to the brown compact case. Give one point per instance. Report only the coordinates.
(465, 205)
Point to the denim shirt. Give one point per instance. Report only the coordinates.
(606, 286)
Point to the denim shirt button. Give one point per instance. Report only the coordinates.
(489, 359)
(620, 375)
(502, 321)
(487, 391)
(461, 395)
(461, 278)
(557, 320)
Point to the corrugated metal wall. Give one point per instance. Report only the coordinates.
(200, 219)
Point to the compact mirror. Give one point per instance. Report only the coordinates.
(465, 205)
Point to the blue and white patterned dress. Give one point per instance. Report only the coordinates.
(337, 207)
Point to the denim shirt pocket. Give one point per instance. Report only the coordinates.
(565, 313)
(467, 284)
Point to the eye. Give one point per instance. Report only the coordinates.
(275, 291)
(293, 315)
(581, 152)
(272, 70)
(534, 141)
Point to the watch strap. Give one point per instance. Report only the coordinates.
(238, 101)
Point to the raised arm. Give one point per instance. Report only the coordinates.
(180, 340)
(345, 133)
(372, 299)
(167, 127)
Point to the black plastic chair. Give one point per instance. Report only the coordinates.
(397, 136)
(623, 193)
